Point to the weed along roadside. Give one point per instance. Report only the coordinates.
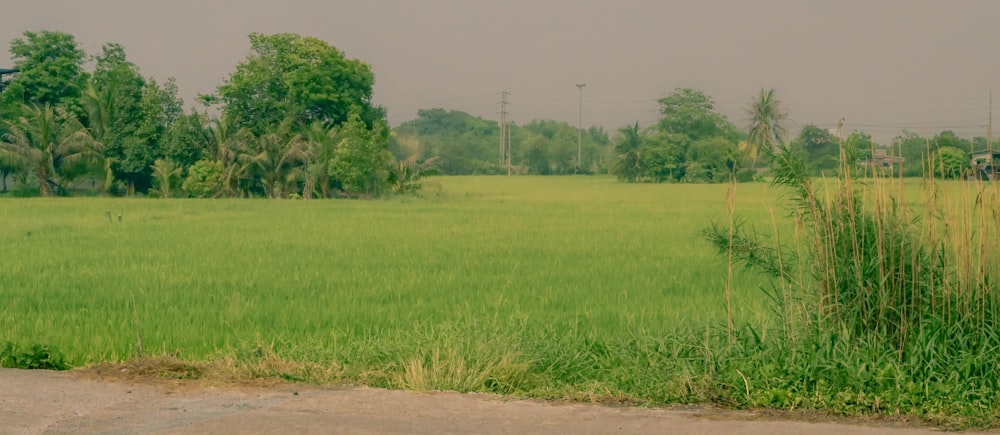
(881, 308)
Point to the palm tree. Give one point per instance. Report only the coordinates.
(766, 118)
(99, 105)
(231, 153)
(320, 142)
(629, 167)
(166, 174)
(404, 175)
(278, 162)
(46, 143)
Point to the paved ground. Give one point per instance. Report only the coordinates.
(68, 402)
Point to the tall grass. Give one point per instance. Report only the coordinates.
(886, 306)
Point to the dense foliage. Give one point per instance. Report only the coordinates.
(51, 73)
(690, 143)
(288, 77)
(296, 121)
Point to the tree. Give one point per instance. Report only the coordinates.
(766, 122)
(690, 113)
(229, 149)
(711, 160)
(159, 107)
(361, 157)
(951, 162)
(457, 142)
(553, 145)
(914, 149)
(682, 146)
(204, 179)
(187, 140)
(598, 149)
(166, 175)
(51, 72)
(820, 147)
(98, 106)
(320, 142)
(404, 176)
(460, 144)
(628, 146)
(948, 138)
(49, 143)
(277, 162)
(535, 154)
(111, 107)
(665, 157)
(130, 115)
(288, 76)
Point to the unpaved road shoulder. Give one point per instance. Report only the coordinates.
(65, 402)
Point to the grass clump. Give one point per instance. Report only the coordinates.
(882, 308)
(33, 357)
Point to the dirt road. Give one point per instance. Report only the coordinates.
(68, 402)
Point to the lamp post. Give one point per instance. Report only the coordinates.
(579, 139)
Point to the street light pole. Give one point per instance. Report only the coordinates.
(579, 139)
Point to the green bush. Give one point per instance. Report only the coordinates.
(204, 179)
(35, 357)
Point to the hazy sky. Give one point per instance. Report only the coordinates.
(883, 65)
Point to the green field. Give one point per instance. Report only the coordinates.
(526, 261)
(556, 287)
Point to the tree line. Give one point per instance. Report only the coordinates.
(692, 142)
(457, 143)
(296, 119)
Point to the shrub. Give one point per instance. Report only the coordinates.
(35, 357)
(204, 179)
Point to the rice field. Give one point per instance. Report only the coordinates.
(588, 255)
(577, 288)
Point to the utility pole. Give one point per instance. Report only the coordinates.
(989, 125)
(503, 126)
(579, 139)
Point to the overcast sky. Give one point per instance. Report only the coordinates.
(882, 65)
